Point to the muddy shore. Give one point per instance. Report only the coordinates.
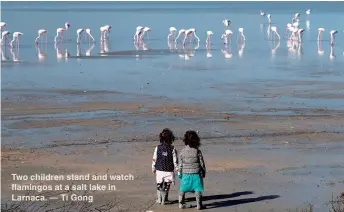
(271, 159)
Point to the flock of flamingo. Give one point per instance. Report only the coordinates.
(293, 32)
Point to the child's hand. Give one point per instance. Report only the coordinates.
(153, 171)
(180, 176)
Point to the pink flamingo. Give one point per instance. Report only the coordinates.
(41, 32)
(145, 31)
(172, 33)
(320, 31)
(4, 34)
(16, 38)
(208, 40)
(59, 31)
(67, 26)
(181, 32)
(333, 33)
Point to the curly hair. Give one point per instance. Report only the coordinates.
(192, 139)
(166, 136)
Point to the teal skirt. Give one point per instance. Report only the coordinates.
(191, 183)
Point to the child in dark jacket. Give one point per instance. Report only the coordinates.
(191, 170)
(164, 163)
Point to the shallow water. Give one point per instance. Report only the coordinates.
(162, 71)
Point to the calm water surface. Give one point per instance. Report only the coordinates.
(163, 72)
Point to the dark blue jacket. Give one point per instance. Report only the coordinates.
(164, 159)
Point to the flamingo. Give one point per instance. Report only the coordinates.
(79, 33)
(4, 34)
(269, 18)
(300, 33)
(241, 30)
(108, 28)
(333, 33)
(88, 32)
(226, 22)
(2, 25)
(189, 33)
(16, 38)
(287, 30)
(308, 12)
(172, 33)
(262, 13)
(297, 16)
(274, 29)
(41, 32)
(210, 34)
(138, 32)
(59, 31)
(182, 31)
(296, 24)
(226, 36)
(67, 26)
(145, 31)
(293, 33)
(103, 31)
(193, 30)
(320, 31)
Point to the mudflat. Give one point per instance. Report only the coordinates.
(271, 159)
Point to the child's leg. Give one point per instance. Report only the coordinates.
(199, 200)
(165, 190)
(158, 192)
(181, 200)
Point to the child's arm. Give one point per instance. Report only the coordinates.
(201, 160)
(175, 159)
(154, 159)
(180, 168)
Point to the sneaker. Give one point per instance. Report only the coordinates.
(183, 206)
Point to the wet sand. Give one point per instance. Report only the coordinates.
(269, 159)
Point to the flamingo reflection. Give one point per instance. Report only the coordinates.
(4, 57)
(41, 55)
(332, 54)
(15, 55)
(241, 49)
(89, 50)
(227, 52)
(320, 49)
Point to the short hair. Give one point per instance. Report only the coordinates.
(166, 136)
(192, 139)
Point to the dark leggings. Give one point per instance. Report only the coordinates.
(164, 186)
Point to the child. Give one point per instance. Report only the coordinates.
(164, 162)
(191, 169)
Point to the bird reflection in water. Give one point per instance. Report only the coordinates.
(227, 52)
(41, 55)
(89, 50)
(60, 54)
(15, 55)
(208, 47)
(104, 47)
(320, 49)
(4, 57)
(332, 54)
(241, 49)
